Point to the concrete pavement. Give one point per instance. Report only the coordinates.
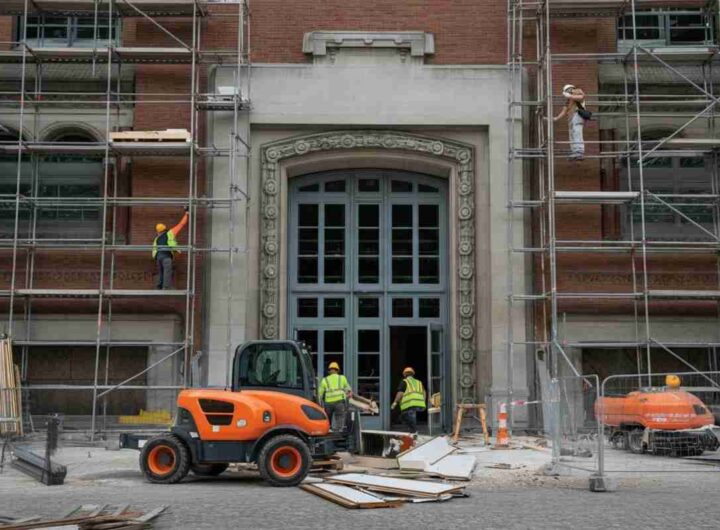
(242, 500)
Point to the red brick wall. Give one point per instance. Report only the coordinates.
(466, 31)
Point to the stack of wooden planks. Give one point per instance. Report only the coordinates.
(356, 490)
(168, 135)
(10, 396)
(89, 517)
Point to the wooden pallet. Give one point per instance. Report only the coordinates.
(168, 135)
(332, 463)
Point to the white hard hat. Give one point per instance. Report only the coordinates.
(568, 88)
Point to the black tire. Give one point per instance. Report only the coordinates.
(208, 470)
(165, 459)
(635, 441)
(284, 460)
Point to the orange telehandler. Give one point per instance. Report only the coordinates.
(269, 417)
(659, 420)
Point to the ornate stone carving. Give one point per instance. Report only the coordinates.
(461, 155)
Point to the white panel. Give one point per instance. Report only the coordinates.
(389, 483)
(454, 466)
(426, 454)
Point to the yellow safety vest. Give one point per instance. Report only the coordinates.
(332, 388)
(171, 243)
(414, 395)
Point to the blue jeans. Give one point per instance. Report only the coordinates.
(409, 418)
(336, 413)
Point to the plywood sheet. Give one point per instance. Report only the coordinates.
(422, 456)
(416, 488)
(349, 497)
(458, 467)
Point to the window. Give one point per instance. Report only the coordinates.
(78, 32)
(415, 240)
(368, 243)
(64, 204)
(666, 28)
(270, 365)
(681, 182)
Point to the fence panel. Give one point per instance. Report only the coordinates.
(660, 423)
(575, 431)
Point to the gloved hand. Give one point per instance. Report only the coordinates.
(187, 209)
(392, 407)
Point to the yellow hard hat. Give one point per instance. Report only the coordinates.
(334, 366)
(160, 227)
(408, 370)
(672, 381)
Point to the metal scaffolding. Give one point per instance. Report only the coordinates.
(534, 195)
(107, 58)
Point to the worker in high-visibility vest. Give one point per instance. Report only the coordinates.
(411, 397)
(334, 392)
(163, 251)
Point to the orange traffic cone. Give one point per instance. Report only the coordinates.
(502, 439)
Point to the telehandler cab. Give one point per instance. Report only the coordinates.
(268, 417)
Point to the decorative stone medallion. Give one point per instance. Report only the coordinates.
(461, 155)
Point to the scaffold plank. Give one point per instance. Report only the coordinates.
(599, 8)
(151, 148)
(157, 8)
(596, 197)
(693, 143)
(676, 294)
(93, 293)
(128, 54)
(121, 54)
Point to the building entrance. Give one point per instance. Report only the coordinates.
(367, 274)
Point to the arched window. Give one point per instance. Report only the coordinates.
(58, 194)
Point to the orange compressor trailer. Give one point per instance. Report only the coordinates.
(659, 420)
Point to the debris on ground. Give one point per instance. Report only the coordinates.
(89, 517)
(42, 469)
(387, 444)
(437, 458)
(355, 490)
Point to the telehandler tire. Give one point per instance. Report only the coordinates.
(165, 459)
(284, 460)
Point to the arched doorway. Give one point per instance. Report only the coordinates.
(368, 277)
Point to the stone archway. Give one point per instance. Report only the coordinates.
(462, 158)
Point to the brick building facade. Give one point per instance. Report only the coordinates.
(391, 114)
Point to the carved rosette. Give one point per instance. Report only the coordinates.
(463, 158)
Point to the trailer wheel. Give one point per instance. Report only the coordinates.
(619, 440)
(165, 459)
(208, 470)
(284, 460)
(635, 441)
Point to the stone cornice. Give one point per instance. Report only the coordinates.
(418, 42)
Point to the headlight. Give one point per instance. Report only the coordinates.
(267, 416)
(312, 413)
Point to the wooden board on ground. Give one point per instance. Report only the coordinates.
(327, 464)
(168, 135)
(94, 517)
(399, 486)
(349, 497)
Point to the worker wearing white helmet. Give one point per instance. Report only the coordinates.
(334, 392)
(577, 115)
